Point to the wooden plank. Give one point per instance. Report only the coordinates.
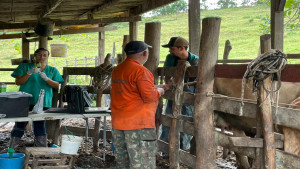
(252, 142)
(72, 22)
(293, 56)
(235, 60)
(63, 32)
(246, 142)
(148, 6)
(286, 116)
(286, 160)
(50, 7)
(101, 7)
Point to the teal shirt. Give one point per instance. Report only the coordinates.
(35, 83)
(172, 60)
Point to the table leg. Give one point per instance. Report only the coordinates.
(86, 134)
(104, 138)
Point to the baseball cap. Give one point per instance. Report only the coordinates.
(176, 41)
(134, 47)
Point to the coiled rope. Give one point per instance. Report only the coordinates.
(267, 64)
(100, 77)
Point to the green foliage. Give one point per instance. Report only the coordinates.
(291, 14)
(176, 7)
(17, 47)
(204, 5)
(226, 3)
(265, 26)
(65, 38)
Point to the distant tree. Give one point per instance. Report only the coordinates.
(176, 7)
(246, 3)
(291, 15)
(226, 3)
(203, 4)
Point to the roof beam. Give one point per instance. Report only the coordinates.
(148, 6)
(51, 6)
(72, 22)
(106, 4)
(62, 32)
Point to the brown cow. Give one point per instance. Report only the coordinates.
(288, 93)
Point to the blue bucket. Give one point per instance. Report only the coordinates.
(12, 163)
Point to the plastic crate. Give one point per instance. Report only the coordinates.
(14, 104)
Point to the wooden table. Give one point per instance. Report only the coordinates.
(101, 112)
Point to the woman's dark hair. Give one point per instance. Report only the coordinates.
(39, 49)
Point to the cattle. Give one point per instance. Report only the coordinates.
(289, 93)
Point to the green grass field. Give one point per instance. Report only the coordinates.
(239, 25)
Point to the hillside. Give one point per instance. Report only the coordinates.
(239, 25)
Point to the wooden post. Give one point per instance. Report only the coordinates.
(204, 129)
(152, 38)
(119, 59)
(265, 111)
(194, 26)
(277, 23)
(25, 48)
(101, 47)
(133, 30)
(125, 41)
(43, 42)
(227, 49)
(176, 110)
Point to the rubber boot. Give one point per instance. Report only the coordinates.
(40, 141)
(14, 142)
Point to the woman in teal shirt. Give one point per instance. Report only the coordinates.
(32, 77)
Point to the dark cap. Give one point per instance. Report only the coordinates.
(176, 42)
(134, 47)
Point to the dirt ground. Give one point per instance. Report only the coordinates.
(92, 160)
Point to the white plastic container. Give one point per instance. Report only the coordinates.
(70, 144)
(59, 50)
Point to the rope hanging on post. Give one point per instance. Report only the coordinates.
(267, 64)
(101, 75)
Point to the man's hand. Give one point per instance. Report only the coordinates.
(33, 70)
(44, 76)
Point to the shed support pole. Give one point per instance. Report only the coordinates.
(152, 38)
(125, 41)
(25, 48)
(133, 30)
(203, 121)
(43, 42)
(277, 24)
(194, 26)
(101, 47)
(265, 111)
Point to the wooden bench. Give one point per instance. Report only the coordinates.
(47, 158)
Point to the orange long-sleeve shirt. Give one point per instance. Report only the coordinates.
(133, 97)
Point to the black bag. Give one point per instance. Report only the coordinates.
(77, 98)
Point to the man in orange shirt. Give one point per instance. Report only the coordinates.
(134, 100)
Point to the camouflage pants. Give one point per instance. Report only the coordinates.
(135, 148)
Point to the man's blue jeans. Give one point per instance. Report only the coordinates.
(185, 139)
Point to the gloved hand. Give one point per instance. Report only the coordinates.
(33, 70)
(44, 76)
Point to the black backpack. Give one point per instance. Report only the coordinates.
(77, 99)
